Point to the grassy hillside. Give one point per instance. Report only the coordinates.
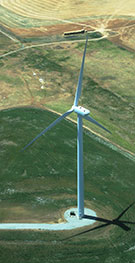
(108, 84)
(39, 184)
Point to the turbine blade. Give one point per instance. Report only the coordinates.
(88, 118)
(125, 210)
(49, 127)
(79, 85)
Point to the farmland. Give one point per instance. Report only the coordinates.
(31, 19)
(46, 9)
(39, 70)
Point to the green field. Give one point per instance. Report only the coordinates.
(39, 184)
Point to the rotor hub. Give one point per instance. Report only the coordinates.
(81, 110)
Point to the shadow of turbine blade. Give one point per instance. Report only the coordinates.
(116, 221)
(86, 231)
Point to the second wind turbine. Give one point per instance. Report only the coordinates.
(82, 113)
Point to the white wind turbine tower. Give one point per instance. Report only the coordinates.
(82, 113)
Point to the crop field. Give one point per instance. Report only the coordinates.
(39, 184)
(29, 19)
(66, 9)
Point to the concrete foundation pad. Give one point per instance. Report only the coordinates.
(70, 216)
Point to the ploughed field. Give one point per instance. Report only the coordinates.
(67, 9)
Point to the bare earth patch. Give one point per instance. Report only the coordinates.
(5, 142)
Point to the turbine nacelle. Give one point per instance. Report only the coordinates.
(81, 110)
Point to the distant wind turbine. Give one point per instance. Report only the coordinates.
(82, 113)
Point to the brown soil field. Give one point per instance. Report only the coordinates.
(115, 25)
(112, 18)
(119, 31)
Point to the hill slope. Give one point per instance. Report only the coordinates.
(38, 185)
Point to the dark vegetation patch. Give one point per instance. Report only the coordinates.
(108, 78)
(94, 90)
(48, 61)
(1, 64)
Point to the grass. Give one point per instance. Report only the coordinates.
(79, 251)
(13, 81)
(48, 61)
(19, 166)
(41, 191)
(108, 84)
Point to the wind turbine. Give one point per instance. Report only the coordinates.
(82, 113)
